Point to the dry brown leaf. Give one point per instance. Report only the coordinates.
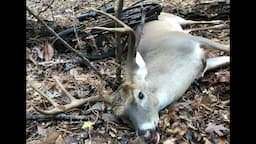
(225, 117)
(170, 140)
(138, 140)
(97, 106)
(221, 141)
(51, 137)
(224, 79)
(59, 140)
(33, 142)
(48, 51)
(112, 134)
(215, 128)
(69, 140)
(39, 52)
(206, 100)
(108, 117)
(206, 141)
(41, 130)
(79, 76)
(183, 131)
(223, 76)
(173, 130)
(113, 129)
(88, 124)
(75, 71)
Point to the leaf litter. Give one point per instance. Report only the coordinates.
(200, 116)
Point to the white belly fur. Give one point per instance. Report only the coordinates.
(175, 83)
(173, 61)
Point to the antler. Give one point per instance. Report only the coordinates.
(125, 29)
(77, 102)
(74, 102)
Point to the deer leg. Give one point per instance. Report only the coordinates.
(206, 28)
(187, 22)
(213, 63)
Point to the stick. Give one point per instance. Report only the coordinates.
(118, 40)
(30, 116)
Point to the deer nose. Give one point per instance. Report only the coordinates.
(152, 136)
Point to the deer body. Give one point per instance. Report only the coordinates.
(173, 63)
(168, 60)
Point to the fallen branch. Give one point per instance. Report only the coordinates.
(30, 116)
(118, 51)
(50, 63)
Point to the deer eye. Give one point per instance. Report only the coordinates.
(141, 95)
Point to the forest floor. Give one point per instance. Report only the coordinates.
(202, 115)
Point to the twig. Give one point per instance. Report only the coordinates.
(135, 3)
(87, 62)
(48, 6)
(104, 4)
(30, 116)
(64, 130)
(75, 29)
(50, 63)
(206, 107)
(118, 40)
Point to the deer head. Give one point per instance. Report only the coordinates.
(133, 102)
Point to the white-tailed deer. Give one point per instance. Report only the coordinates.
(166, 61)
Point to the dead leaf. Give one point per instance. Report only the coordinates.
(170, 140)
(41, 130)
(79, 76)
(39, 52)
(112, 134)
(51, 137)
(183, 131)
(33, 142)
(223, 76)
(108, 117)
(88, 124)
(98, 106)
(215, 128)
(75, 71)
(138, 140)
(59, 140)
(206, 100)
(221, 141)
(48, 51)
(69, 140)
(223, 79)
(165, 120)
(225, 117)
(206, 141)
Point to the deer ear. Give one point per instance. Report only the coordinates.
(122, 99)
(141, 71)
